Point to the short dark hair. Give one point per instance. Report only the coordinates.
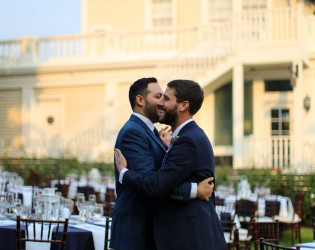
(187, 90)
(139, 87)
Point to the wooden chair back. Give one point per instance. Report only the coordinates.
(267, 230)
(63, 189)
(110, 195)
(246, 211)
(313, 218)
(219, 201)
(107, 232)
(108, 208)
(298, 203)
(236, 241)
(42, 237)
(271, 208)
(266, 246)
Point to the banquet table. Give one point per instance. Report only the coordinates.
(80, 236)
(74, 185)
(306, 246)
(285, 209)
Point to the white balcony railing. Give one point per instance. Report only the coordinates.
(273, 151)
(252, 27)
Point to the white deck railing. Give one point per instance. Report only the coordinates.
(273, 151)
(267, 27)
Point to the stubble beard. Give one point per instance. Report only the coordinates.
(170, 117)
(151, 112)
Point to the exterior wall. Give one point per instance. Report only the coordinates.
(189, 12)
(308, 116)
(117, 14)
(77, 99)
(10, 119)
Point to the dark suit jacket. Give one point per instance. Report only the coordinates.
(177, 225)
(132, 226)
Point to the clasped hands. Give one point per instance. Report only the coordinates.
(204, 188)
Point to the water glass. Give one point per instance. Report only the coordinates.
(25, 212)
(98, 210)
(80, 201)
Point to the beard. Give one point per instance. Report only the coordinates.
(151, 112)
(170, 117)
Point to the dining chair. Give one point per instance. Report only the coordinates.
(219, 201)
(86, 190)
(108, 224)
(228, 227)
(34, 178)
(54, 228)
(295, 221)
(266, 246)
(313, 218)
(63, 188)
(246, 211)
(236, 240)
(108, 208)
(110, 195)
(267, 230)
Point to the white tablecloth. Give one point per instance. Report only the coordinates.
(307, 246)
(286, 207)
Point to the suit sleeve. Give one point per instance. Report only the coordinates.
(179, 165)
(135, 148)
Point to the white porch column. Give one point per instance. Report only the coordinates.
(298, 119)
(238, 115)
(27, 98)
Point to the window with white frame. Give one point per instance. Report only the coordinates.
(220, 10)
(162, 13)
(254, 4)
(280, 122)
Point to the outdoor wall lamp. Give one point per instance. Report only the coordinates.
(307, 103)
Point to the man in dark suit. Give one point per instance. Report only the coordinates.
(177, 225)
(132, 226)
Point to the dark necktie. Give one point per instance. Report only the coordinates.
(156, 132)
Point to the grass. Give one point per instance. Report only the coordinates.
(306, 235)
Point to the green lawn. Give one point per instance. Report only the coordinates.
(306, 234)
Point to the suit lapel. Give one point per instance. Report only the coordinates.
(147, 130)
(184, 129)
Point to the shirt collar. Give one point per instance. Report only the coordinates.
(145, 120)
(175, 133)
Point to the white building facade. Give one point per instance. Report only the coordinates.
(67, 96)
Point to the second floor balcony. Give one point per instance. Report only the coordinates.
(253, 29)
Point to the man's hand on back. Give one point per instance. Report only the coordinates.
(205, 189)
(120, 160)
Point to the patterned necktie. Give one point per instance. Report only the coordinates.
(156, 132)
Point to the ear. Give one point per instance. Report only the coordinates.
(184, 106)
(140, 100)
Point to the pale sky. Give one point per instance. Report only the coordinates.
(39, 18)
